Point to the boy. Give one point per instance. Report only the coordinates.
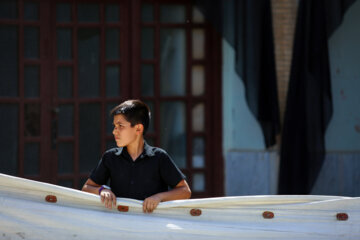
(135, 169)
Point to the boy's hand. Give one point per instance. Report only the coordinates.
(151, 203)
(108, 197)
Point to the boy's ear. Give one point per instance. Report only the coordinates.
(139, 128)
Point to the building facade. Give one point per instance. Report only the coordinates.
(64, 64)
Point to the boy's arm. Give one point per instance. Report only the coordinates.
(107, 196)
(181, 191)
(91, 187)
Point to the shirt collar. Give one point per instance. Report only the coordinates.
(148, 151)
(118, 151)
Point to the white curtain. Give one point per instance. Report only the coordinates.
(24, 214)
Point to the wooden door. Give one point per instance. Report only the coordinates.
(66, 63)
(179, 78)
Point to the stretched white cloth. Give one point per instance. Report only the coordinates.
(25, 214)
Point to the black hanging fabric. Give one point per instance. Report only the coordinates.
(247, 26)
(309, 101)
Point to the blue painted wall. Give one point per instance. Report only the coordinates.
(343, 133)
(249, 169)
(340, 174)
(241, 130)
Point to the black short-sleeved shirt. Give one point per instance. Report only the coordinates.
(152, 172)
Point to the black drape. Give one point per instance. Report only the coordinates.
(309, 103)
(247, 26)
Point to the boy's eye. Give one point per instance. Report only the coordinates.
(118, 126)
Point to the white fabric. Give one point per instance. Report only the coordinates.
(24, 214)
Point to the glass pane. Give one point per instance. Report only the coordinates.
(147, 13)
(198, 44)
(173, 131)
(64, 43)
(8, 61)
(150, 141)
(31, 42)
(65, 83)
(9, 115)
(147, 43)
(66, 119)
(88, 62)
(31, 158)
(31, 81)
(112, 13)
(82, 182)
(152, 114)
(88, 13)
(112, 81)
(31, 11)
(89, 136)
(65, 157)
(172, 14)
(63, 12)
(198, 157)
(109, 119)
(147, 80)
(32, 119)
(198, 17)
(8, 9)
(66, 183)
(198, 184)
(172, 62)
(112, 44)
(198, 117)
(110, 144)
(197, 80)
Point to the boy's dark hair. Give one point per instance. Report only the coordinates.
(134, 111)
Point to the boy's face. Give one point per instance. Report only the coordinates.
(123, 132)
